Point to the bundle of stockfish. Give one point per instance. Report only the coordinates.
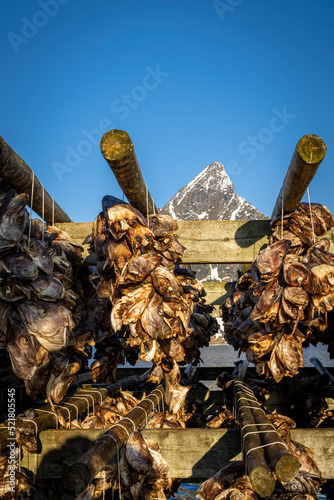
(142, 473)
(286, 296)
(46, 326)
(157, 303)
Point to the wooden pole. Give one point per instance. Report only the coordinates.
(78, 475)
(77, 403)
(16, 172)
(117, 149)
(286, 466)
(309, 153)
(256, 466)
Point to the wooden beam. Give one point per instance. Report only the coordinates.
(16, 172)
(79, 474)
(192, 454)
(76, 403)
(118, 151)
(309, 153)
(207, 242)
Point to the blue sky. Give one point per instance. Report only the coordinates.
(191, 81)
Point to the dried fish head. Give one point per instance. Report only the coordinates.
(120, 216)
(22, 348)
(161, 225)
(137, 453)
(270, 260)
(152, 319)
(48, 288)
(61, 378)
(47, 321)
(296, 274)
(289, 351)
(14, 219)
(222, 480)
(138, 268)
(20, 266)
(39, 255)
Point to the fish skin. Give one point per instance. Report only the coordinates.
(48, 288)
(222, 480)
(165, 281)
(47, 321)
(60, 379)
(152, 319)
(296, 274)
(162, 225)
(39, 255)
(20, 266)
(137, 453)
(138, 268)
(270, 260)
(22, 348)
(14, 220)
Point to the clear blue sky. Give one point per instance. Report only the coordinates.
(191, 81)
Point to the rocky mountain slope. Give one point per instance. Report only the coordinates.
(211, 196)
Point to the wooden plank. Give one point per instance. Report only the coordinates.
(222, 242)
(216, 293)
(209, 241)
(192, 454)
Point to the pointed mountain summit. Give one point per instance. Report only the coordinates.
(210, 196)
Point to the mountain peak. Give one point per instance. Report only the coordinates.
(210, 196)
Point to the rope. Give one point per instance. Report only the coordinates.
(31, 203)
(53, 212)
(118, 467)
(90, 396)
(147, 208)
(43, 215)
(75, 406)
(120, 425)
(141, 408)
(52, 413)
(128, 418)
(309, 204)
(69, 414)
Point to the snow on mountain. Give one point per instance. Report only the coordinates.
(211, 196)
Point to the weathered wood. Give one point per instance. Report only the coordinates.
(285, 465)
(192, 454)
(208, 242)
(16, 172)
(309, 153)
(78, 475)
(257, 468)
(77, 403)
(222, 242)
(118, 151)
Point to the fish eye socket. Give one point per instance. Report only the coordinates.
(298, 453)
(24, 340)
(43, 256)
(19, 220)
(44, 312)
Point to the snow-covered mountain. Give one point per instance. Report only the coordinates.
(211, 196)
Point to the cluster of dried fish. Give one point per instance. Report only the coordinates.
(286, 296)
(231, 483)
(157, 303)
(142, 473)
(14, 483)
(45, 324)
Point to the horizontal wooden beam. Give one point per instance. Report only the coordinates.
(15, 171)
(192, 454)
(209, 241)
